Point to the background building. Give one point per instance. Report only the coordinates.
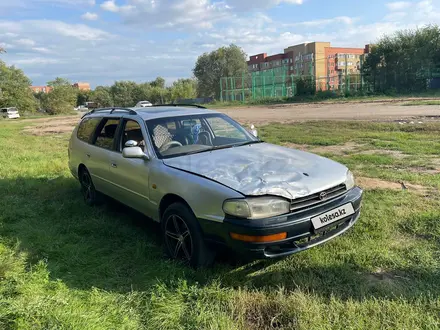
(327, 65)
(83, 86)
(41, 89)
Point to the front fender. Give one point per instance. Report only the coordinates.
(204, 196)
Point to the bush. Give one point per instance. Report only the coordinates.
(60, 100)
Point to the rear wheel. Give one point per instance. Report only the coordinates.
(90, 195)
(183, 238)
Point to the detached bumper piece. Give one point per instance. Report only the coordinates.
(282, 235)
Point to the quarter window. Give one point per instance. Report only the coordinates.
(106, 136)
(86, 128)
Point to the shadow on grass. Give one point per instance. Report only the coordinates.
(117, 249)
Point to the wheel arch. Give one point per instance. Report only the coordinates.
(169, 199)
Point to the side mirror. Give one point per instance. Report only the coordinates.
(134, 152)
(253, 131)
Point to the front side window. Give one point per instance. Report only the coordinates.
(86, 128)
(132, 131)
(106, 136)
(177, 136)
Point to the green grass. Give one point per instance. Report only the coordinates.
(428, 102)
(67, 266)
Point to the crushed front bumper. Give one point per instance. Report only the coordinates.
(301, 234)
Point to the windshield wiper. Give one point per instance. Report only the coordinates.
(236, 145)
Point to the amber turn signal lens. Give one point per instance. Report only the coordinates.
(259, 239)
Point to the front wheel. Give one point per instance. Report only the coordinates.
(183, 238)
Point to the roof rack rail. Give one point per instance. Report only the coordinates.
(111, 109)
(180, 105)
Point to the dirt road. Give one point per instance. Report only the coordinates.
(346, 111)
(260, 115)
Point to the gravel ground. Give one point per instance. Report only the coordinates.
(345, 111)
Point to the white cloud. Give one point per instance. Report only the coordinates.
(25, 42)
(78, 31)
(110, 5)
(201, 14)
(42, 50)
(180, 14)
(69, 2)
(36, 60)
(250, 5)
(398, 5)
(90, 16)
(323, 22)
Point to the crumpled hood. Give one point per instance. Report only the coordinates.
(264, 169)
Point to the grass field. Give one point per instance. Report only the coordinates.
(67, 266)
(423, 102)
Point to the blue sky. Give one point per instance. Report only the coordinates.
(101, 41)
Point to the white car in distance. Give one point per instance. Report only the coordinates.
(143, 104)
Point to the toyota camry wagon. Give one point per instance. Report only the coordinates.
(210, 183)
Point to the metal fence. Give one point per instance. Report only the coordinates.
(277, 83)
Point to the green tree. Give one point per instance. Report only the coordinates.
(14, 89)
(83, 97)
(404, 61)
(102, 96)
(123, 93)
(61, 99)
(223, 62)
(183, 89)
(158, 82)
(59, 82)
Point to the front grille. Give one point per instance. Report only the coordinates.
(304, 202)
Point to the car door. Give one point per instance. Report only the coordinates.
(130, 177)
(99, 153)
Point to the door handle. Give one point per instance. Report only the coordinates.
(88, 155)
(114, 165)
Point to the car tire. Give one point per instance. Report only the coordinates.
(183, 239)
(90, 195)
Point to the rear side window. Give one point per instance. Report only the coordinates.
(106, 137)
(86, 128)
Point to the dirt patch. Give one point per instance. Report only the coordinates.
(339, 149)
(382, 276)
(420, 169)
(53, 126)
(394, 153)
(372, 183)
(303, 147)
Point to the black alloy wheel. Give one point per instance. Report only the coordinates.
(87, 188)
(183, 238)
(178, 238)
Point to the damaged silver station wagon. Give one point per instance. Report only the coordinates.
(211, 183)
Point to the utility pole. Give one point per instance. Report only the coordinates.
(328, 73)
(346, 73)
